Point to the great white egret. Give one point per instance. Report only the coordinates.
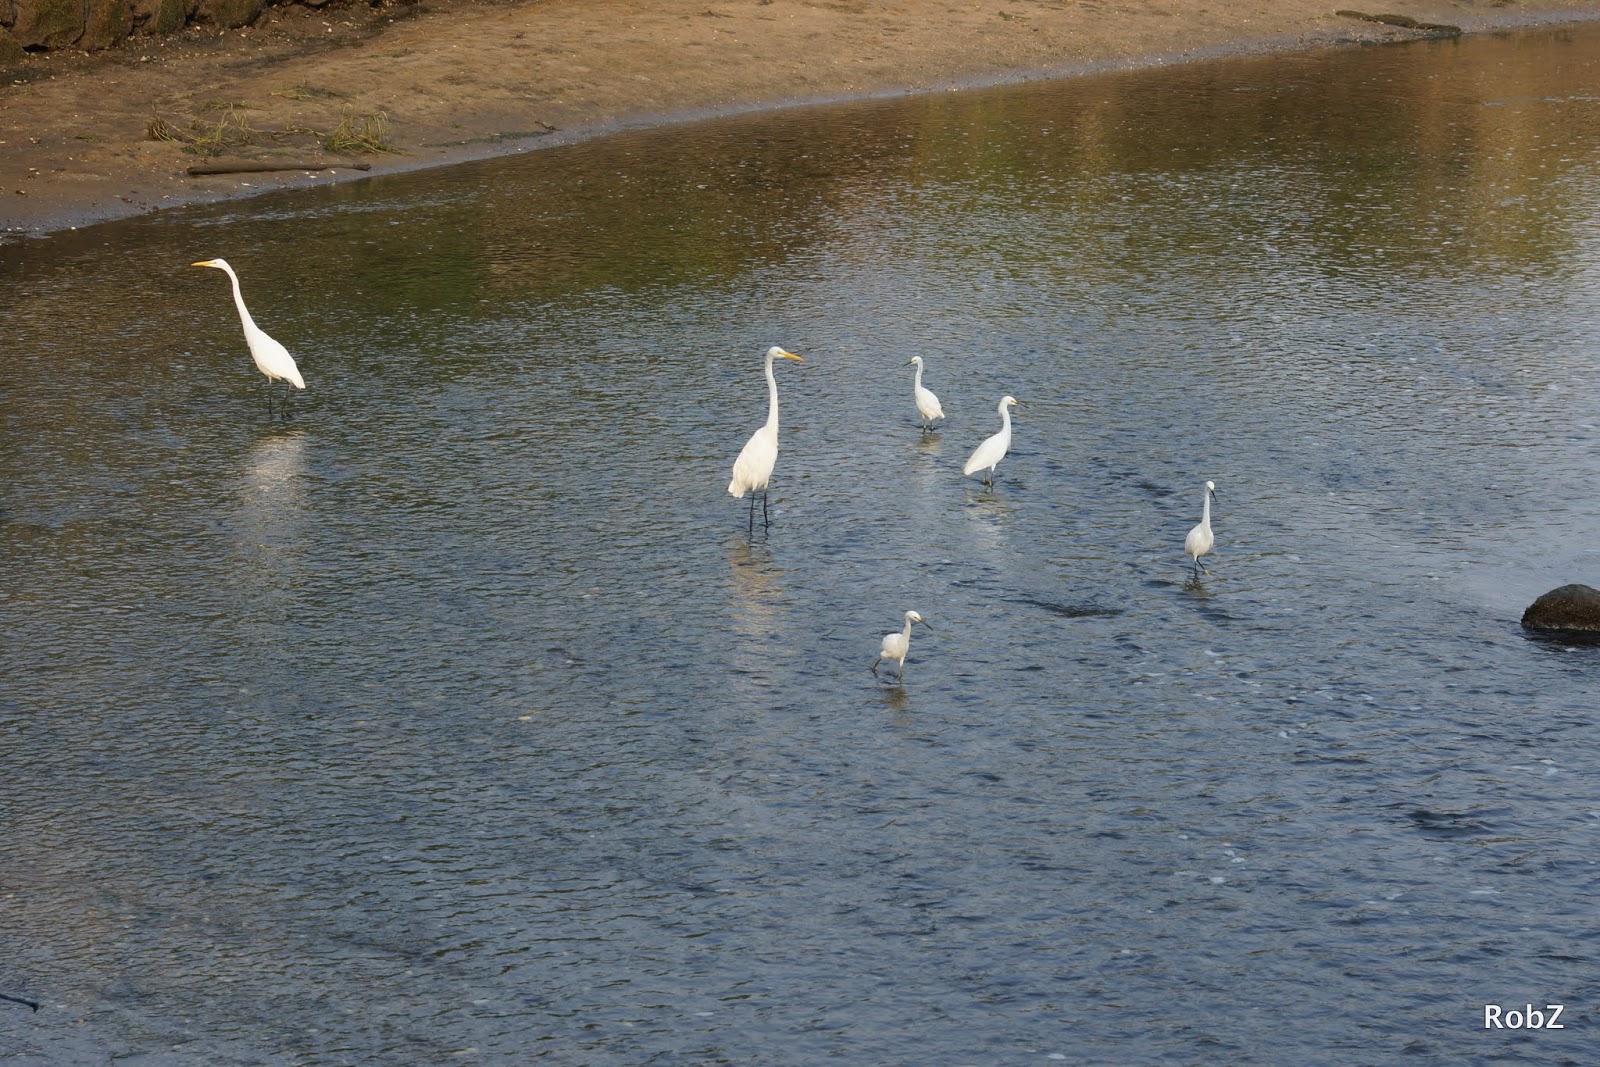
(753, 469)
(272, 359)
(927, 403)
(895, 646)
(992, 451)
(1200, 540)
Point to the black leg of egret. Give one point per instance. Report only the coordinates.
(18, 1000)
(875, 664)
(764, 520)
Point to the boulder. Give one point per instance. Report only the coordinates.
(162, 16)
(11, 50)
(1572, 611)
(230, 13)
(110, 22)
(48, 23)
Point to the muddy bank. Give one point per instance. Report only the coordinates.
(115, 133)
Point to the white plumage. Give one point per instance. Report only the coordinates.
(1200, 539)
(753, 469)
(272, 359)
(992, 451)
(896, 645)
(927, 404)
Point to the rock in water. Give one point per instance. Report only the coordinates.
(1572, 610)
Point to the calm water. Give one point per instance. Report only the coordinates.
(458, 720)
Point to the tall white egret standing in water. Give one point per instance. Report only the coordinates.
(1200, 540)
(753, 469)
(992, 451)
(927, 403)
(272, 359)
(895, 646)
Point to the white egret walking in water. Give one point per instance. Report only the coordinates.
(895, 646)
(992, 451)
(753, 469)
(927, 403)
(272, 359)
(1200, 540)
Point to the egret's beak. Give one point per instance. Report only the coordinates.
(204, 263)
(925, 623)
(1213, 494)
(791, 355)
(911, 363)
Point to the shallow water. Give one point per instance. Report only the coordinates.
(458, 719)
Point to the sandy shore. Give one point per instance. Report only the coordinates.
(465, 79)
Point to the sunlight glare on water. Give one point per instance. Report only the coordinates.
(458, 719)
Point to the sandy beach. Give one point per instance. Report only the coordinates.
(89, 137)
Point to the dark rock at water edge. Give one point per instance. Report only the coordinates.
(1572, 610)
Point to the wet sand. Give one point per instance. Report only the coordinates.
(466, 79)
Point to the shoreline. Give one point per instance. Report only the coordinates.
(474, 79)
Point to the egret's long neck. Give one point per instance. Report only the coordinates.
(1005, 418)
(238, 301)
(906, 633)
(918, 383)
(772, 398)
(1205, 510)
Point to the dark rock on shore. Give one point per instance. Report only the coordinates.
(1571, 611)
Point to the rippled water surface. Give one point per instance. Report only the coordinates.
(458, 718)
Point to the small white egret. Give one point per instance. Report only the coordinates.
(753, 469)
(1200, 540)
(927, 403)
(992, 451)
(272, 359)
(895, 646)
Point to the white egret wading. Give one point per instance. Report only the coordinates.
(927, 404)
(1200, 540)
(992, 451)
(753, 469)
(272, 359)
(895, 646)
